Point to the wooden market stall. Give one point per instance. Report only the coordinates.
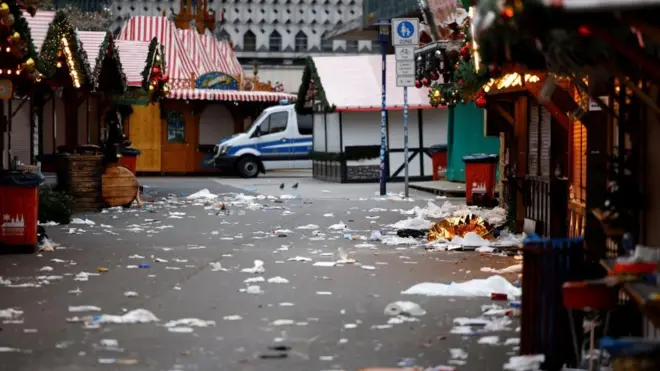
(204, 104)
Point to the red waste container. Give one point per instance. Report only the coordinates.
(19, 210)
(129, 159)
(480, 170)
(439, 160)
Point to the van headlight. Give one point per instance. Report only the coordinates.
(222, 149)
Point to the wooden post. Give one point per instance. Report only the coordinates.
(519, 154)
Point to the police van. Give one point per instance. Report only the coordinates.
(279, 139)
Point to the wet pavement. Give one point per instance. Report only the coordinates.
(308, 317)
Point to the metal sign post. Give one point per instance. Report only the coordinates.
(405, 38)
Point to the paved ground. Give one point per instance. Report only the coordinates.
(342, 330)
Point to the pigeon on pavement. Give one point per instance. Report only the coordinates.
(282, 186)
(295, 186)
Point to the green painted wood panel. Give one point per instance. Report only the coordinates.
(466, 136)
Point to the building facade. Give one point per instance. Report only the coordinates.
(275, 34)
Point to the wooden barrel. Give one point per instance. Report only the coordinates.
(80, 176)
(120, 186)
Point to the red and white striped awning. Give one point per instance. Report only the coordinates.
(229, 95)
(39, 25)
(145, 28)
(219, 59)
(133, 56)
(196, 51)
(235, 68)
(600, 5)
(91, 43)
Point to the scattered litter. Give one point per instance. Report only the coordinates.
(136, 256)
(253, 289)
(77, 291)
(109, 343)
(233, 317)
(308, 226)
(217, 267)
(82, 221)
(204, 194)
(458, 353)
(413, 223)
(285, 304)
(338, 227)
(517, 268)
(10, 313)
(84, 308)
(350, 325)
(190, 322)
(257, 268)
(323, 293)
(299, 259)
(525, 363)
(283, 322)
(476, 288)
(278, 279)
(368, 267)
(159, 260)
(329, 215)
(130, 294)
(404, 308)
(134, 316)
(181, 330)
(489, 340)
(325, 264)
(254, 279)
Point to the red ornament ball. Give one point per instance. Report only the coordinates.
(434, 75)
(584, 31)
(461, 82)
(165, 77)
(418, 84)
(155, 70)
(426, 82)
(481, 102)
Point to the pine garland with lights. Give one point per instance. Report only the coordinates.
(18, 59)
(62, 46)
(155, 80)
(311, 77)
(109, 49)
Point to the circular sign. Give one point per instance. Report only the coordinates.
(405, 30)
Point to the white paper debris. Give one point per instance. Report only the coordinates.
(204, 194)
(84, 308)
(413, 223)
(233, 317)
(299, 259)
(130, 294)
(82, 221)
(283, 322)
(257, 268)
(217, 267)
(308, 226)
(476, 288)
(254, 279)
(278, 279)
(190, 322)
(338, 227)
(525, 363)
(405, 308)
(134, 316)
(517, 268)
(325, 264)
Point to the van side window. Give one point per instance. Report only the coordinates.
(278, 122)
(305, 124)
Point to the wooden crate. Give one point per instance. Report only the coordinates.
(80, 176)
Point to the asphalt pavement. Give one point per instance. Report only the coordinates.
(308, 317)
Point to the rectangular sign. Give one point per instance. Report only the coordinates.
(405, 31)
(405, 81)
(404, 53)
(405, 68)
(6, 89)
(593, 105)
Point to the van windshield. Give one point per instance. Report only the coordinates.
(257, 121)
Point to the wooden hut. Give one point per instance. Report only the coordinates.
(204, 104)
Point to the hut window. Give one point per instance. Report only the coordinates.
(351, 46)
(176, 128)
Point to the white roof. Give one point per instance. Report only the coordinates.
(354, 83)
(576, 5)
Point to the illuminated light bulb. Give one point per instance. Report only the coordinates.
(59, 65)
(8, 49)
(8, 72)
(1, 71)
(18, 72)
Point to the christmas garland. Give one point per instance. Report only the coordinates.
(154, 76)
(109, 50)
(310, 75)
(17, 47)
(47, 64)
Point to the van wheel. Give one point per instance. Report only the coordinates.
(248, 167)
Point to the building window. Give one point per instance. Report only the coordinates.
(351, 46)
(176, 128)
(326, 44)
(275, 42)
(223, 35)
(301, 42)
(249, 42)
(375, 46)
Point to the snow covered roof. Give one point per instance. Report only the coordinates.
(353, 83)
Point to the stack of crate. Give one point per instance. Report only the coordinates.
(80, 176)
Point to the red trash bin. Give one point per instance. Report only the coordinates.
(128, 159)
(19, 210)
(438, 160)
(480, 170)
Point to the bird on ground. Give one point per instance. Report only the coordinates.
(282, 186)
(295, 186)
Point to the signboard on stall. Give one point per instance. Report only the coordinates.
(133, 97)
(6, 89)
(216, 81)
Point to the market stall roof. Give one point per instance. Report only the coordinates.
(39, 25)
(353, 83)
(144, 28)
(133, 55)
(222, 55)
(100, 45)
(230, 95)
(197, 52)
(599, 5)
